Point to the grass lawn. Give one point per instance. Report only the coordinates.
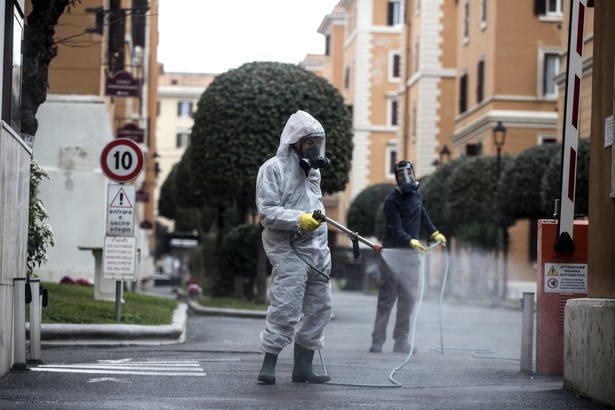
(76, 304)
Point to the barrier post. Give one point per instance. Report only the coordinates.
(35, 323)
(561, 276)
(19, 324)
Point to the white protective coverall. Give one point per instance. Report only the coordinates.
(283, 194)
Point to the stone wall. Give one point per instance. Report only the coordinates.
(589, 348)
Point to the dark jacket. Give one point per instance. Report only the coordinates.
(404, 214)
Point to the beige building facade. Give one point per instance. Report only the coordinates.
(178, 96)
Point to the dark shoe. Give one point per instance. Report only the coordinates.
(302, 370)
(267, 373)
(375, 348)
(403, 347)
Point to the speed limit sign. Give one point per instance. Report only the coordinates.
(122, 160)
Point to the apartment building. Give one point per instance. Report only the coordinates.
(178, 95)
(363, 60)
(102, 86)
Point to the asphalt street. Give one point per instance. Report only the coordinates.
(216, 363)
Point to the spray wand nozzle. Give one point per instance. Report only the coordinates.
(354, 236)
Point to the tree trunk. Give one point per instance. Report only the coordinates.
(38, 51)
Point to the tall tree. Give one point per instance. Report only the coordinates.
(38, 51)
(238, 123)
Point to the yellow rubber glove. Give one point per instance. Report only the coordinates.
(307, 223)
(438, 237)
(416, 245)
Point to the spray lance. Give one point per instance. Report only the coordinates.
(354, 236)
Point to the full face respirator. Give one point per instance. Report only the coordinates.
(404, 175)
(311, 150)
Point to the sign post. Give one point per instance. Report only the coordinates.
(121, 161)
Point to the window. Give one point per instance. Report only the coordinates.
(182, 139)
(483, 13)
(116, 33)
(463, 93)
(393, 112)
(346, 78)
(466, 21)
(328, 45)
(550, 69)
(548, 8)
(184, 108)
(391, 159)
(394, 13)
(395, 66)
(474, 150)
(480, 81)
(11, 98)
(546, 139)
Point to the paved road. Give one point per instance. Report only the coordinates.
(216, 368)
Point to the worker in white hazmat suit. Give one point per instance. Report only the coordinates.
(287, 193)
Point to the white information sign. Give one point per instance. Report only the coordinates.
(120, 258)
(566, 277)
(120, 210)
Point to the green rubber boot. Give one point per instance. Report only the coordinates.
(302, 370)
(267, 373)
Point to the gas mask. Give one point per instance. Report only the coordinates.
(404, 175)
(311, 151)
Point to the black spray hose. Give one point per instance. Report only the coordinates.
(298, 235)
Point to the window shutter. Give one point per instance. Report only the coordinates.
(463, 90)
(396, 65)
(540, 7)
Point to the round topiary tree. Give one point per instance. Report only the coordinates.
(435, 192)
(551, 182)
(361, 216)
(238, 259)
(238, 123)
(472, 189)
(519, 188)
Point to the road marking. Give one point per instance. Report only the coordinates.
(145, 368)
(108, 379)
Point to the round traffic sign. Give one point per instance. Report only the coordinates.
(122, 160)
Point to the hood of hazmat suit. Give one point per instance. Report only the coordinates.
(285, 191)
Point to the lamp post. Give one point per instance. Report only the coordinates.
(499, 137)
(445, 155)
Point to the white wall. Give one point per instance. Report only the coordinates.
(72, 132)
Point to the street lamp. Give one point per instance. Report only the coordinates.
(445, 155)
(499, 137)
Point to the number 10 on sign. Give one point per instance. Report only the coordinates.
(122, 160)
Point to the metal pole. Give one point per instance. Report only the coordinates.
(118, 300)
(496, 285)
(35, 322)
(19, 324)
(527, 332)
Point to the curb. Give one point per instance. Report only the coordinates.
(197, 309)
(73, 334)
